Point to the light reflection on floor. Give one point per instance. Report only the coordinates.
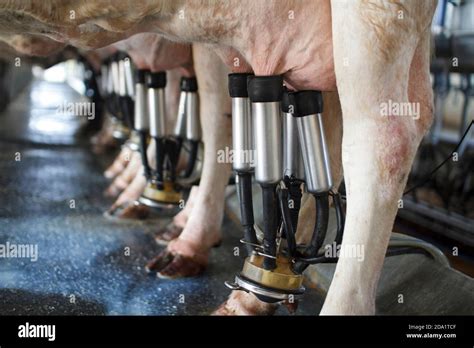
(38, 115)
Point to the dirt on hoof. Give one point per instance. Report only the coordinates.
(168, 233)
(171, 265)
(130, 210)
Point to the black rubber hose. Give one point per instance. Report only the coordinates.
(244, 192)
(340, 218)
(127, 107)
(270, 225)
(290, 231)
(320, 229)
(321, 226)
(294, 188)
(391, 251)
(143, 147)
(160, 159)
(193, 152)
(114, 107)
(172, 150)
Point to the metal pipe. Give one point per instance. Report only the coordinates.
(129, 77)
(142, 124)
(292, 160)
(156, 104)
(265, 93)
(193, 123)
(242, 135)
(180, 126)
(115, 76)
(312, 141)
(267, 139)
(242, 142)
(157, 113)
(104, 79)
(122, 85)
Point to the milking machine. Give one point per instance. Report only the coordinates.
(111, 78)
(94, 91)
(166, 182)
(279, 126)
(126, 100)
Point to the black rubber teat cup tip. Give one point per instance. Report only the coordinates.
(122, 55)
(288, 104)
(157, 79)
(238, 85)
(308, 103)
(141, 76)
(188, 84)
(265, 89)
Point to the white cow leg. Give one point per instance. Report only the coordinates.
(125, 177)
(377, 150)
(173, 230)
(120, 163)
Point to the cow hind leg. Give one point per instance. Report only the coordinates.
(373, 66)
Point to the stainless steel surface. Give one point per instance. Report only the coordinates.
(155, 204)
(315, 154)
(292, 160)
(142, 122)
(122, 83)
(129, 77)
(242, 135)
(104, 79)
(180, 127)
(460, 18)
(114, 68)
(267, 140)
(193, 122)
(110, 80)
(247, 286)
(157, 111)
(232, 286)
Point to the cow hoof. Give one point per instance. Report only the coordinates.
(129, 210)
(180, 267)
(112, 191)
(168, 233)
(159, 262)
(181, 259)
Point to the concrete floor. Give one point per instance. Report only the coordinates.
(83, 267)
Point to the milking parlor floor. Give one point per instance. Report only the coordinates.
(51, 188)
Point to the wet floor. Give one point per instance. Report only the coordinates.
(51, 198)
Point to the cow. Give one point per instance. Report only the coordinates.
(370, 51)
